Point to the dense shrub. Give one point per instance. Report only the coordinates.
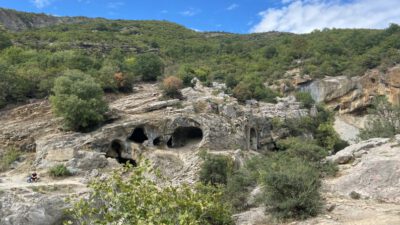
(5, 42)
(252, 87)
(384, 119)
(292, 189)
(305, 99)
(171, 87)
(302, 148)
(7, 157)
(59, 171)
(129, 197)
(78, 100)
(238, 188)
(215, 169)
(148, 67)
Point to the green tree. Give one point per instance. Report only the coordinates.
(148, 67)
(129, 197)
(78, 99)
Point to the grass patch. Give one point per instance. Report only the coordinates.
(59, 171)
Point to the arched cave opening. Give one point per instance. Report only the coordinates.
(115, 151)
(183, 136)
(138, 135)
(253, 139)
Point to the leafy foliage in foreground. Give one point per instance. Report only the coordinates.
(78, 99)
(128, 197)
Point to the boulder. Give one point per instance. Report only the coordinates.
(374, 175)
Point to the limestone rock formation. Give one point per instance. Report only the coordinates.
(370, 168)
(349, 94)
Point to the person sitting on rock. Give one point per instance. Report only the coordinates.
(33, 177)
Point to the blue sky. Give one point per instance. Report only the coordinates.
(238, 16)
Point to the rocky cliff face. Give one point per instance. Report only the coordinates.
(18, 21)
(351, 94)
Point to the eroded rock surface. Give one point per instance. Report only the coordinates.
(349, 94)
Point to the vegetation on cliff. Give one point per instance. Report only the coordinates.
(146, 50)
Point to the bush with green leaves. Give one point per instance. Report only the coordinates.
(129, 197)
(148, 67)
(78, 99)
(215, 169)
(303, 148)
(384, 119)
(7, 157)
(309, 151)
(59, 170)
(252, 87)
(239, 185)
(305, 99)
(291, 188)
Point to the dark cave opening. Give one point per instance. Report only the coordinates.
(183, 136)
(115, 151)
(138, 135)
(253, 139)
(157, 141)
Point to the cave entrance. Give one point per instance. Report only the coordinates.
(157, 141)
(138, 135)
(184, 136)
(253, 139)
(115, 151)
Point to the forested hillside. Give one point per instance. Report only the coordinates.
(115, 53)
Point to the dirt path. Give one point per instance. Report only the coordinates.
(19, 181)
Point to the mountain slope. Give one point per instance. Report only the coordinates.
(19, 21)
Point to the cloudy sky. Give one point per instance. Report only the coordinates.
(238, 16)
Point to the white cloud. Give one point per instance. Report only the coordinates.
(164, 11)
(190, 12)
(115, 5)
(197, 30)
(232, 7)
(41, 3)
(303, 16)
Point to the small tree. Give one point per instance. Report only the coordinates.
(171, 87)
(149, 67)
(79, 100)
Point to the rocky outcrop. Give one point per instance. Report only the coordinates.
(351, 94)
(370, 169)
(19, 21)
(36, 210)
